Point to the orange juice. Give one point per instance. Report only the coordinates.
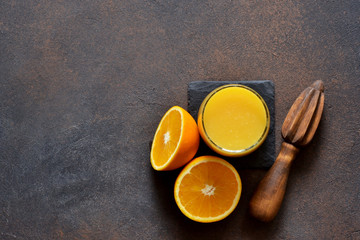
(233, 120)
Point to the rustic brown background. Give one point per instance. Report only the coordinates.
(83, 85)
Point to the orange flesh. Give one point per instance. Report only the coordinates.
(213, 178)
(167, 138)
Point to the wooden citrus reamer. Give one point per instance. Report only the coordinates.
(298, 129)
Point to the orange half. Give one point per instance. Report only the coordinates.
(208, 189)
(176, 140)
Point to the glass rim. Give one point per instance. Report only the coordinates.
(264, 133)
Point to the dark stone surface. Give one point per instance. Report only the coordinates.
(264, 156)
(84, 84)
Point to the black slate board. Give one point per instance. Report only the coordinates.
(264, 156)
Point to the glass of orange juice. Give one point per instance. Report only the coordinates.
(233, 120)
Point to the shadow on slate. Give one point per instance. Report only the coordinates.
(264, 156)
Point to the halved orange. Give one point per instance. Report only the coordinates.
(208, 189)
(176, 140)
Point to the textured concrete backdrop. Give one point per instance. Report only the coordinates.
(83, 85)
